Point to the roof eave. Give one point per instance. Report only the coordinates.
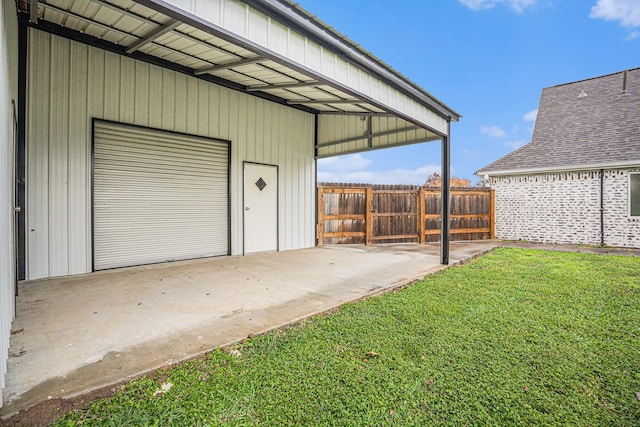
(287, 12)
(556, 169)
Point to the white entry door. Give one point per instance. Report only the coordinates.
(260, 208)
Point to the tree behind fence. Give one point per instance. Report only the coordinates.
(361, 213)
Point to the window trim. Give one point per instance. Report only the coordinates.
(631, 174)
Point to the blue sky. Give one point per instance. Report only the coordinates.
(486, 59)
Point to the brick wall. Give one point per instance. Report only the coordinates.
(565, 208)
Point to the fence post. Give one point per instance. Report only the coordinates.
(421, 218)
(368, 222)
(492, 213)
(320, 225)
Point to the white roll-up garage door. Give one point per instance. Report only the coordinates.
(157, 196)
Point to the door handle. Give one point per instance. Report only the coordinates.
(247, 208)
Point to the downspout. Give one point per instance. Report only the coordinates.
(601, 207)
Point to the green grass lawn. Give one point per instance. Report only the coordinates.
(518, 337)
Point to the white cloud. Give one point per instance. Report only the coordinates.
(625, 11)
(353, 162)
(392, 176)
(516, 5)
(493, 131)
(530, 116)
(515, 144)
(632, 35)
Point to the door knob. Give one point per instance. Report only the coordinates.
(247, 208)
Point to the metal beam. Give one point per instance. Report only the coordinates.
(244, 61)
(355, 113)
(152, 36)
(33, 11)
(445, 184)
(283, 86)
(368, 135)
(399, 144)
(326, 101)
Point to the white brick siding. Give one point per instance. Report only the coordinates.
(565, 208)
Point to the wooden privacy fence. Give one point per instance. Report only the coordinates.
(394, 214)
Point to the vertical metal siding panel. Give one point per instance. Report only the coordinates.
(38, 159)
(141, 94)
(237, 123)
(251, 123)
(192, 106)
(79, 194)
(180, 98)
(96, 88)
(95, 108)
(155, 97)
(168, 99)
(215, 112)
(289, 187)
(278, 36)
(59, 158)
(127, 90)
(295, 47)
(259, 26)
(112, 86)
(234, 17)
(203, 108)
(303, 189)
(228, 125)
(261, 133)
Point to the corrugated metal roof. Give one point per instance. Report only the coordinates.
(589, 124)
(320, 71)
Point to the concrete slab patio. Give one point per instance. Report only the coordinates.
(76, 334)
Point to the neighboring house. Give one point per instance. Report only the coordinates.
(578, 180)
(143, 131)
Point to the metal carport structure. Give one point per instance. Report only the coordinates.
(272, 49)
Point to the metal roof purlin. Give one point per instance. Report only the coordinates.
(153, 35)
(324, 101)
(283, 86)
(244, 61)
(368, 135)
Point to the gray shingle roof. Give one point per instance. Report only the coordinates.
(588, 123)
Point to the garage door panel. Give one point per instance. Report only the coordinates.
(158, 196)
